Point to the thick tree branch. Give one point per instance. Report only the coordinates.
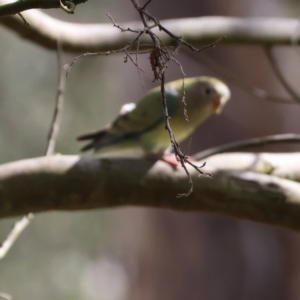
(13, 8)
(45, 30)
(73, 183)
(283, 165)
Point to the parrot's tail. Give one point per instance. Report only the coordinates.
(95, 137)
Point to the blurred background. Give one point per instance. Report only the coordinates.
(139, 253)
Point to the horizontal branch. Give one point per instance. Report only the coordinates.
(45, 30)
(16, 7)
(75, 183)
(283, 165)
(246, 144)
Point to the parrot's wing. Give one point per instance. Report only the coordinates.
(134, 120)
(147, 114)
(102, 137)
(126, 108)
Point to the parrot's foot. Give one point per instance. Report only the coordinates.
(170, 159)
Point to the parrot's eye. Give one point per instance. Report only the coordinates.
(207, 91)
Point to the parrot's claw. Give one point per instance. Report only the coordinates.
(170, 159)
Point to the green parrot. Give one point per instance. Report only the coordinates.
(140, 129)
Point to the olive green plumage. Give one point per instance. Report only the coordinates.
(140, 129)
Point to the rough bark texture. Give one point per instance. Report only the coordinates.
(73, 183)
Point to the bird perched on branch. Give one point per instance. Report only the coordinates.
(140, 129)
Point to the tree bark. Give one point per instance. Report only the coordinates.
(75, 183)
(45, 31)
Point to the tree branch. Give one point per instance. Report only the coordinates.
(279, 73)
(17, 229)
(19, 6)
(5, 296)
(45, 30)
(244, 144)
(236, 80)
(59, 103)
(283, 165)
(74, 183)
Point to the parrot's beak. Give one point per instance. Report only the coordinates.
(221, 99)
(219, 103)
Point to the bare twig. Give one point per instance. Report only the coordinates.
(5, 296)
(180, 40)
(274, 63)
(131, 59)
(136, 62)
(54, 129)
(17, 229)
(123, 49)
(237, 80)
(24, 20)
(121, 28)
(19, 226)
(186, 117)
(159, 59)
(256, 142)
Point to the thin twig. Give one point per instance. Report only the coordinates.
(136, 62)
(186, 117)
(274, 63)
(128, 46)
(131, 59)
(24, 20)
(125, 49)
(19, 226)
(178, 38)
(59, 102)
(256, 142)
(119, 27)
(5, 296)
(17, 229)
(237, 80)
(159, 59)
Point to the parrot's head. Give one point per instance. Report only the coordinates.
(208, 92)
